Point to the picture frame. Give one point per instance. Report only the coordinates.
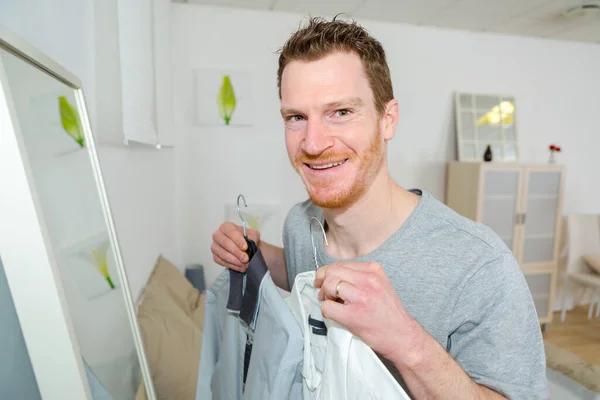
(223, 97)
(486, 123)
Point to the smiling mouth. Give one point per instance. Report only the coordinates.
(326, 166)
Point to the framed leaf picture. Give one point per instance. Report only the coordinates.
(223, 97)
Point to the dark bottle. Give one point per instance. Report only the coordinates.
(487, 156)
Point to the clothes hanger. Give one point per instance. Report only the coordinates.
(241, 196)
(312, 239)
(243, 297)
(236, 284)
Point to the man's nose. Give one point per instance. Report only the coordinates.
(317, 138)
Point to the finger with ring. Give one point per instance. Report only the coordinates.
(337, 289)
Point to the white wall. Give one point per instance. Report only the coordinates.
(555, 85)
(140, 182)
(153, 193)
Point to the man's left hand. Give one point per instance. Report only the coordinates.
(368, 306)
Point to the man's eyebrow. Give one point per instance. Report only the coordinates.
(288, 111)
(346, 102)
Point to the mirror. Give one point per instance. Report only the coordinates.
(46, 107)
(484, 120)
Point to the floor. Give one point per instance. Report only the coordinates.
(577, 334)
(582, 338)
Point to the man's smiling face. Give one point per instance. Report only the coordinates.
(332, 128)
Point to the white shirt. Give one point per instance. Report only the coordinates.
(337, 364)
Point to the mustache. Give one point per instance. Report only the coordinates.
(322, 158)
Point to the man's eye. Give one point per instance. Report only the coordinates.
(295, 118)
(343, 113)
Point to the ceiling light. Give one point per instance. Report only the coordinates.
(587, 11)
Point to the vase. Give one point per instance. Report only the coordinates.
(552, 159)
(487, 156)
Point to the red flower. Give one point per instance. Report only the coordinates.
(554, 148)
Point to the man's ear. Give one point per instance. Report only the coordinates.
(389, 119)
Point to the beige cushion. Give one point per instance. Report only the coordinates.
(198, 313)
(593, 261)
(170, 317)
(179, 289)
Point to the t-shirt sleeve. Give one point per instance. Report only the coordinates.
(494, 332)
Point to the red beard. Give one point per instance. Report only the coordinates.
(335, 193)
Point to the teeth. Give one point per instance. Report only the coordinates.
(325, 166)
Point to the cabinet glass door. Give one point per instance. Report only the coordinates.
(540, 284)
(499, 203)
(539, 230)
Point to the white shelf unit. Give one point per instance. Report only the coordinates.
(522, 203)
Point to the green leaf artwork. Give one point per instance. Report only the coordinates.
(226, 99)
(70, 120)
(98, 256)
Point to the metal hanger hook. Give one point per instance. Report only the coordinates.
(241, 196)
(312, 239)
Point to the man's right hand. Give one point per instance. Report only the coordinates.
(229, 246)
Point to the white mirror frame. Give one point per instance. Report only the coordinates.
(476, 141)
(29, 261)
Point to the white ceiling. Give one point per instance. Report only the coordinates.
(538, 18)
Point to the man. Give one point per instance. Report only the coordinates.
(438, 297)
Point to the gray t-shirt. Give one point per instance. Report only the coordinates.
(460, 281)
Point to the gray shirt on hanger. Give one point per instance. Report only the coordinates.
(460, 281)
